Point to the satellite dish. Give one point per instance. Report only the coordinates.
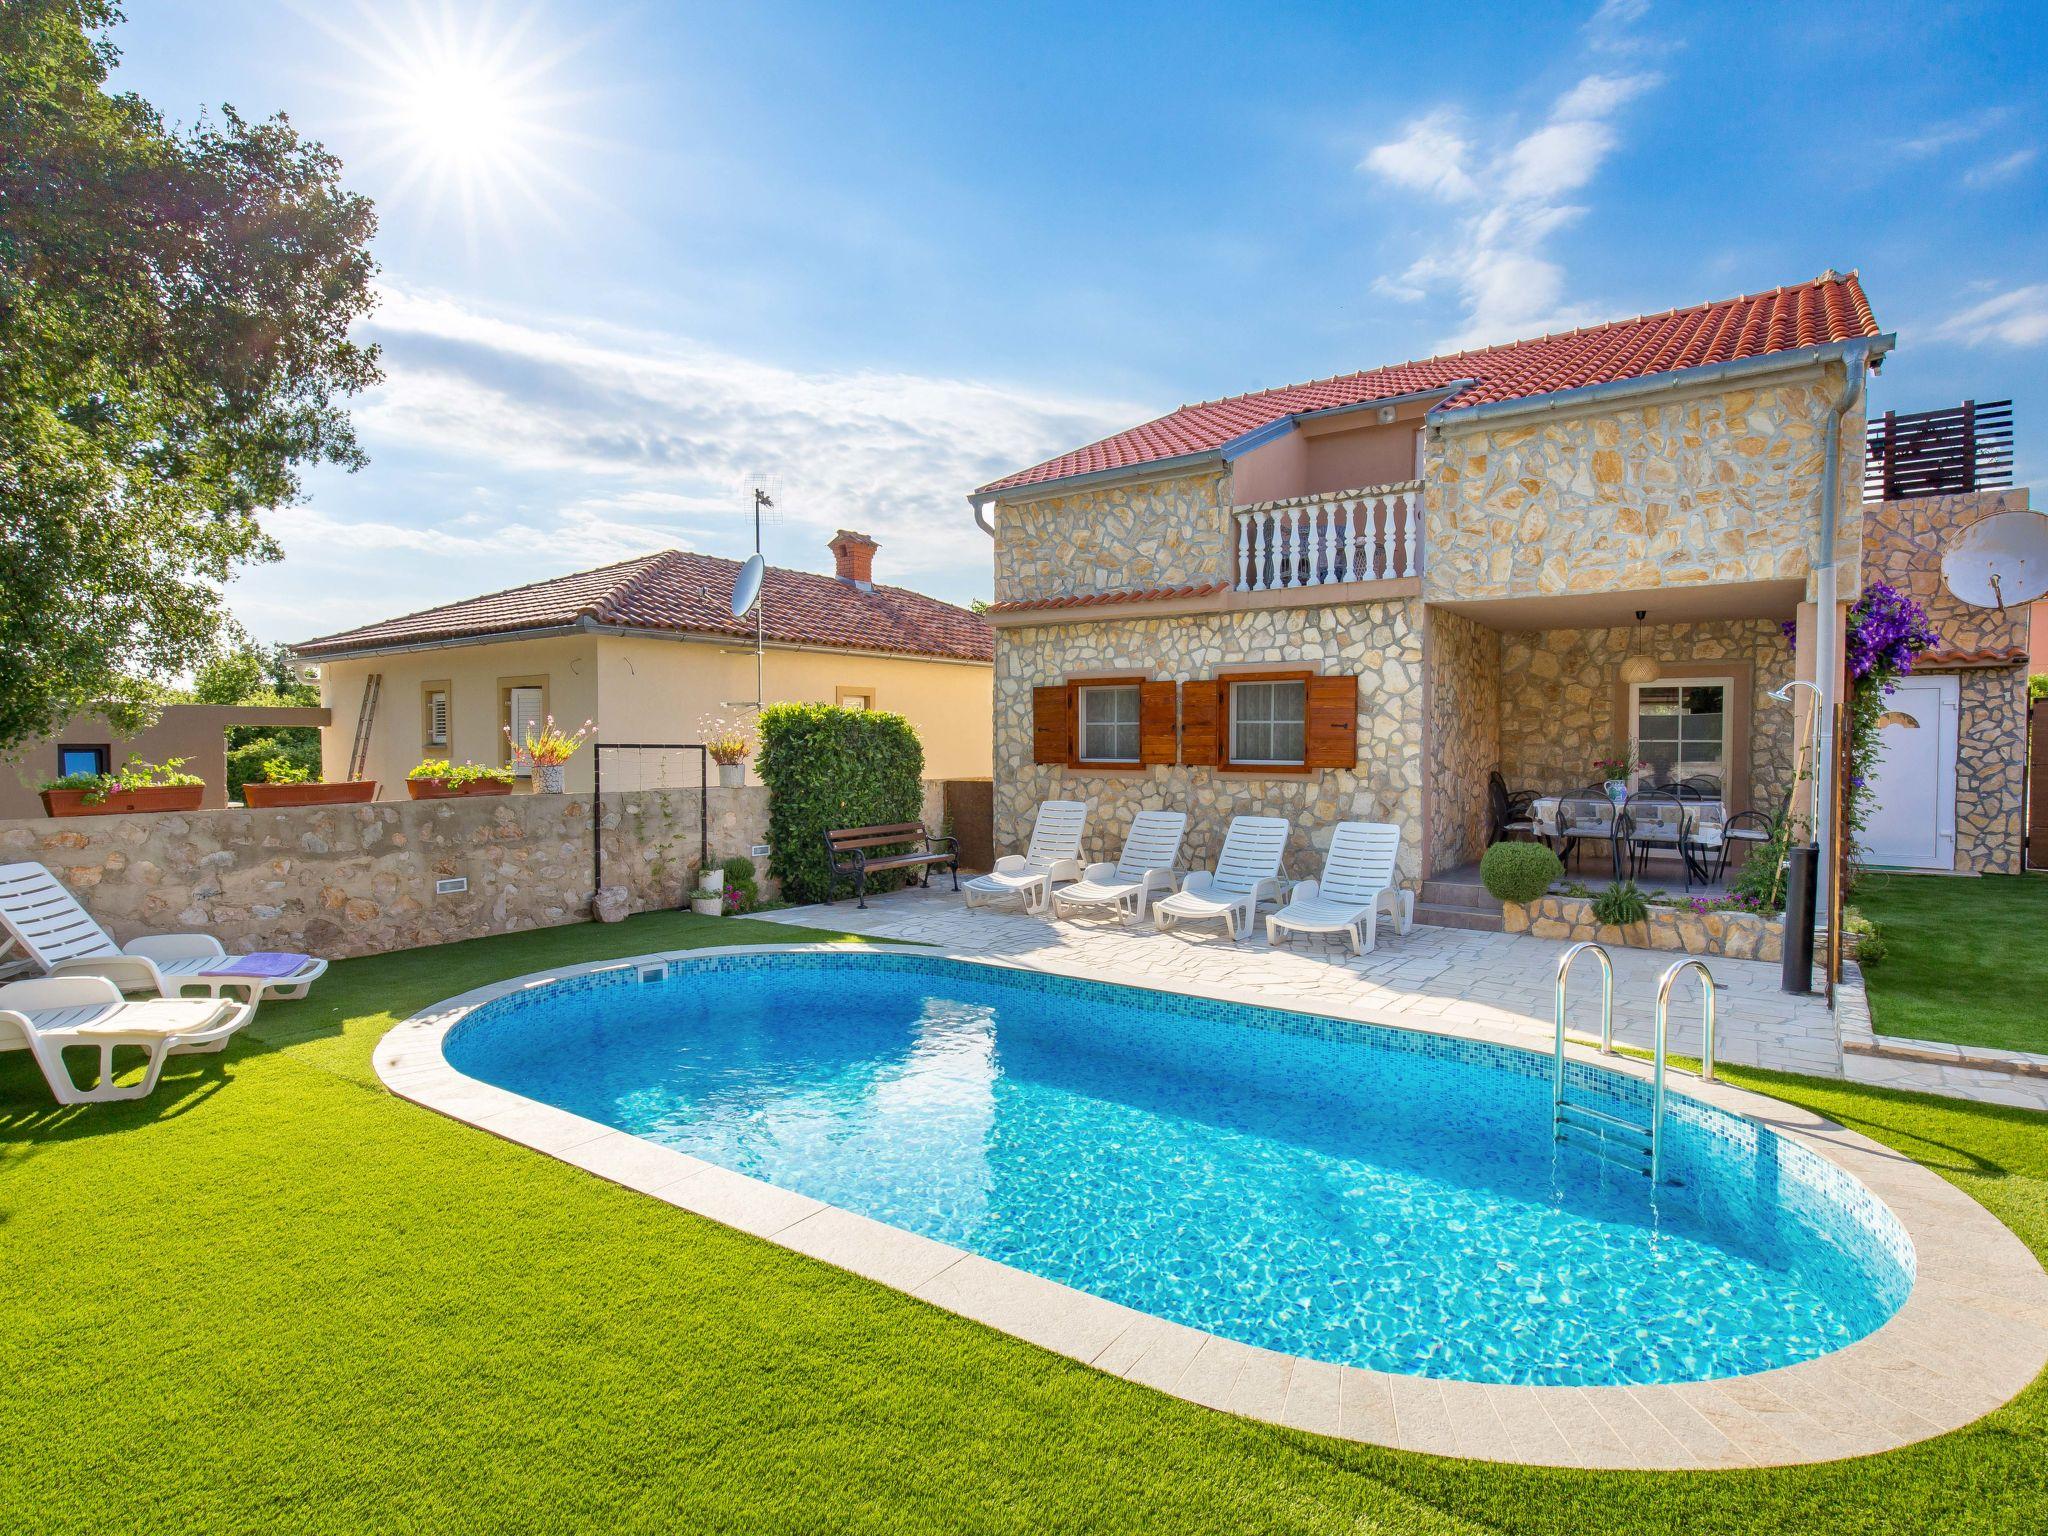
(746, 587)
(2000, 561)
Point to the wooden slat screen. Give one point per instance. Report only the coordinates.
(1965, 447)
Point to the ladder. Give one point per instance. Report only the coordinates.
(1617, 1138)
(359, 754)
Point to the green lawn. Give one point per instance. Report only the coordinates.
(276, 1298)
(1966, 960)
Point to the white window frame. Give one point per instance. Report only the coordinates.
(524, 770)
(1238, 719)
(1726, 771)
(437, 738)
(1136, 724)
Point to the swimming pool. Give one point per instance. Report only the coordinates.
(1347, 1193)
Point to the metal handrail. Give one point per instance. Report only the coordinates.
(1564, 969)
(1671, 975)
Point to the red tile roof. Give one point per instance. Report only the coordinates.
(1991, 656)
(676, 591)
(1830, 308)
(1095, 599)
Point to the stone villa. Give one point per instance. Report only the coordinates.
(1355, 598)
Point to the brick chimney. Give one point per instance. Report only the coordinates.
(853, 558)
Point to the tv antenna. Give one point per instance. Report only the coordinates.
(2000, 561)
(746, 595)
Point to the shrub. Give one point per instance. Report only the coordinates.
(742, 894)
(1621, 905)
(1861, 937)
(1519, 871)
(827, 768)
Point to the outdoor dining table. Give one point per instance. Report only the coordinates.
(1703, 823)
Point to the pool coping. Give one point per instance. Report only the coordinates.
(1971, 1335)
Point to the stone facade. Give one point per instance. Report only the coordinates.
(1737, 935)
(1682, 492)
(1991, 770)
(1464, 713)
(1163, 533)
(1380, 642)
(1560, 703)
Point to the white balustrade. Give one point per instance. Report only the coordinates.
(1374, 534)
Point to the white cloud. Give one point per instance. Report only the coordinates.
(1514, 201)
(1935, 137)
(505, 450)
(2015, 318)
(1994, 172)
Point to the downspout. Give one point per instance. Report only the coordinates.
(980, 505)
(1826, 663)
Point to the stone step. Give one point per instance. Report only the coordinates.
(1449, 915)
(1456, 893)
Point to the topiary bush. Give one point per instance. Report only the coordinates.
(828, 768)
(1519, 871)
(1621, 905)
(742, 894)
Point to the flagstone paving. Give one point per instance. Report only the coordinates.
(1496, 984)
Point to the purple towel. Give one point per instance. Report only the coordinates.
(266, 963)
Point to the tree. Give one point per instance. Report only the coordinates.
(242, 672)
(174, 315)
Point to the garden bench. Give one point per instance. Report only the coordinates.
(847, 851)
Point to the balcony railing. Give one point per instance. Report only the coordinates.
(1373, 534)
(1965, 447)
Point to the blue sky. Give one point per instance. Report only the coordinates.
(636, 256)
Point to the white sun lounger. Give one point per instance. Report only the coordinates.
(1247, 872)
(41, 916)
(1358, 880)
(1054, 854)
(1147, 865)
(49, 1013)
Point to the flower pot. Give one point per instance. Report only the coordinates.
(550, 778)
(437, 789)
(1617, 790)
(154, 797)
(348, 792)
(710, 881)
(708, 906)
(732, 775)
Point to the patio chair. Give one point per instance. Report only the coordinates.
(52, 1013)
(1745, 830)
(1357, 881)
(1054, 854)
(1508, 810)
(1247, 872)
(1655, 823)
(1150, 853)
(42, 916)
(1590, 817)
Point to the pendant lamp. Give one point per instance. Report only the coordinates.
(1640, 667)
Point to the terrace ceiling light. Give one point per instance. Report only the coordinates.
(1640, 667)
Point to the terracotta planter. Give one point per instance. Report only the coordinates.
(437, 789)
(157, 797)
(349, 792)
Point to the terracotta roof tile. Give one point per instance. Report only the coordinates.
(1096, 599)
(677, 591)
(1991, 656)
(1830, 308)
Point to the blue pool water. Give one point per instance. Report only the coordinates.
(1375, 1197)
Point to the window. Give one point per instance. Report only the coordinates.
(1109, 724)
(856, 698)
(1269, 723)
(526, 708)
(1681, 728)
(72, 760)
(434, 714)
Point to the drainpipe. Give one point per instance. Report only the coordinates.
(1826, 663)
(980, 505)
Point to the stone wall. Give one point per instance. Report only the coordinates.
(1157, 533)
(1736, 935)
(1463, 739)
(1561, 705)
(1991, 770)
(1685, 492)
(359, 879)
(1903, 545)
(1381, 642)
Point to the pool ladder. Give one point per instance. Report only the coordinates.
(1629, 1143)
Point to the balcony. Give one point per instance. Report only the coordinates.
(1371, 534)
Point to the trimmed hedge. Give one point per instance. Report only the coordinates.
(828, 768)
(1519, 871)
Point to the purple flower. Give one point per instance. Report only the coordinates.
(1887, 629)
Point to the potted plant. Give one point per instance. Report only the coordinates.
(134, 786)
(547, 751)
(438, 779)
(730, 746)
(286, 783)
(1618, 774)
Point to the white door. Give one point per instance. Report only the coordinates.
(1913, 786)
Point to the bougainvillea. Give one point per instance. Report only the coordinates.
(1887, 631)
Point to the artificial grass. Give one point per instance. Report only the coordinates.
(1965, 961)
(274, 1297)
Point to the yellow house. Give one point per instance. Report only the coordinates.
(648, 648)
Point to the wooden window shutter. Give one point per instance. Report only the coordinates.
(1201, 723)
(1156, 713)
(1332, 737)
(1052, 725)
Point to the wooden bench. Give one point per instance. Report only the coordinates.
(847, 849)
